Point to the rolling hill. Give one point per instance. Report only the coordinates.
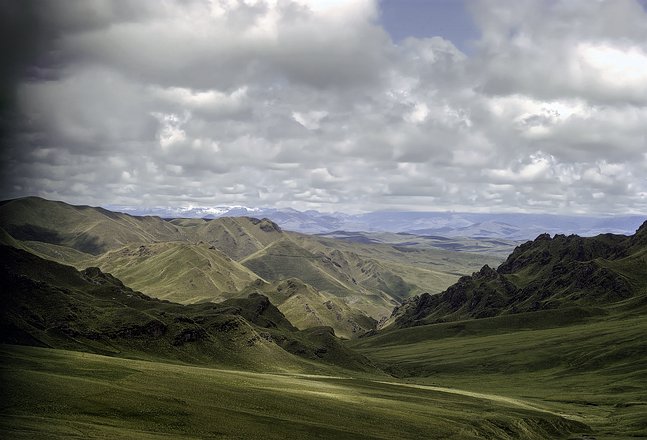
(591, 368)
(236, 237)
(307, 307)
(193, 260)
(83, 228)
(560, 323)
(52, 305)
(178, 271)
(414, 242)
(373, 292)
(602, 272)
(60, 394)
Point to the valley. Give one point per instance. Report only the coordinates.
(589, 369)
(323, 220)
(235, 328)
(197, 260)
(84, 395)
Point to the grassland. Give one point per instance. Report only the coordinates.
(240, 369)
(306, 307)
(86, 229)
(423, 265)
(62, 394)
(593, 370)
(409, 241)
(182, 272)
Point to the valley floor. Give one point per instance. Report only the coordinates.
(592, 371)
(65, 394)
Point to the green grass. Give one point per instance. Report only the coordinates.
(411, 242)
(306, 307)
(177, 271)
(595, 369)
(179, 264)
(86, 229)
(62, 394)
(427, 268)
(287, 259)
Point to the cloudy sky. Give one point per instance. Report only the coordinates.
(336, 105)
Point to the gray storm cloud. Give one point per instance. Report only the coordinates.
(310, 104)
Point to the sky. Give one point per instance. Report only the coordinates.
(334, 105)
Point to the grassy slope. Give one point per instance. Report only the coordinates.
(62, 394)
(425, 267)
(485, 246)
(306, 307)
(358, 279)
(49, 304)
(366, 278)
(193, 273)
(180, 272)
(584, 355)
(546, 274)
(236, 237)
(87, 229)
(594, 368)
(287, 259)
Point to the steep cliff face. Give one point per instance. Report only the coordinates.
(544, 274)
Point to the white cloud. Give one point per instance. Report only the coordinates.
(309, 120)
(537, 167)
(418, 113)
(171, 131)
(618, 70)
(309, 104)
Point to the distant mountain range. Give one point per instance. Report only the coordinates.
(448, 224)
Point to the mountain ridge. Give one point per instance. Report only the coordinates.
(544, 274)
(53, 305)
(196, 260)
(515, 226)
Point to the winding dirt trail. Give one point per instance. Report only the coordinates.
(492, 397)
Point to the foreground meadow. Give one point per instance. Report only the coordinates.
(63, 394)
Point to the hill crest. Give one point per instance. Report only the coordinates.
(544, 274)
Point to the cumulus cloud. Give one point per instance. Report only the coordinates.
(311, 104)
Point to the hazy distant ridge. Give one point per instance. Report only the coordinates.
(517, 226)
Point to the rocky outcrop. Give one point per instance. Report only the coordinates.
(547, 273)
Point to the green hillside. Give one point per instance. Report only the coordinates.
(194, 260)
(177, 271)
(62, 394)
(561, 323)
(307, 307)
(592, 368)
(197, 273)
(52, 305)
(421, 264)
(286, 259)
(607, 271)
(236, 237)
(83, 228)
